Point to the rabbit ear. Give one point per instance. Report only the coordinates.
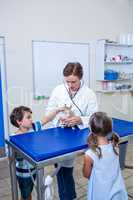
(70, 106)
(65, 105)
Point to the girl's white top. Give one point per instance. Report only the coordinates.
(106, 182)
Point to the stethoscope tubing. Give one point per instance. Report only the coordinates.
(81, 85)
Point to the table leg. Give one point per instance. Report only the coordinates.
(122, 153)
(122, 158)
(131, 196)
(40, 174)
(12, 165)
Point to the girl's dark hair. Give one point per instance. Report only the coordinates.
(101, 125)
(75, 69)
(18, 114)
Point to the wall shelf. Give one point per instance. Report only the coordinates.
(119, 63)
(114, 91)
(117, 80)
(117, 44)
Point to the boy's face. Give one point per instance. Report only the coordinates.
(26, 122)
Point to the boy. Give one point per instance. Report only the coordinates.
(21, 117)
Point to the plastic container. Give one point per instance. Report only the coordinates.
(104, 85)
(111, 86)
(110, 75)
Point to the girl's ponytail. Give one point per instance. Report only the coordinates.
(114, 138)
(93, 144)
(115, 142)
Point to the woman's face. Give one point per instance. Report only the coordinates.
(73, 82)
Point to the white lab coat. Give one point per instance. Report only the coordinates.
(85, 99)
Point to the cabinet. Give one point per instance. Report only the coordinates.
(115, 58)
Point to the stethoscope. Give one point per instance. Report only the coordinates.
(72, 96)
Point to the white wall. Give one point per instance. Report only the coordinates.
(58, 20)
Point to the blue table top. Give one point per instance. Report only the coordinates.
(53, 142)
(122, 127)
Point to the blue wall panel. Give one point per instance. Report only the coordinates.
(1, 116)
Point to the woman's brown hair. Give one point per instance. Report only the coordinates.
(75, 69)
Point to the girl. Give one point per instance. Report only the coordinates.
(101, 161)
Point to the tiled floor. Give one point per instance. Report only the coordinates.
(81, 183)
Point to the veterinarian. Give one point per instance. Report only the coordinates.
(73, 92)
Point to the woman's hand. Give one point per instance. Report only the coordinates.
(60, 109)
(71, 121)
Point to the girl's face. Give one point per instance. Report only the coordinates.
(26, 122)
(73, 82)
